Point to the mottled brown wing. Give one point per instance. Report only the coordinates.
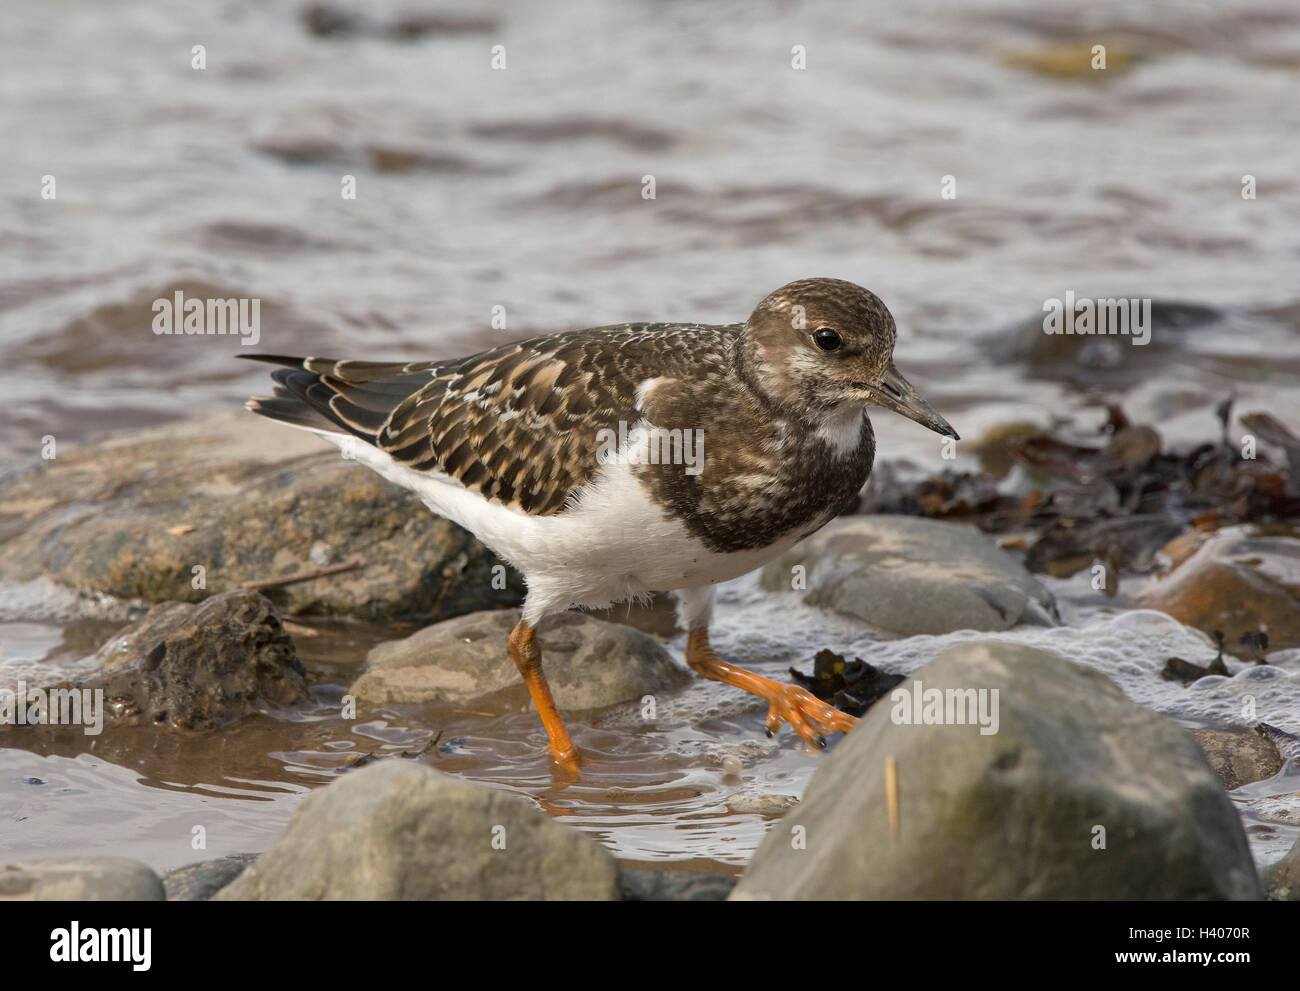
(520, 424)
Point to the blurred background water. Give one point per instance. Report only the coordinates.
(522, 187)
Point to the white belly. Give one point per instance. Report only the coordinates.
(614, 544)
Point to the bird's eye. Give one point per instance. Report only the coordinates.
(827, 339)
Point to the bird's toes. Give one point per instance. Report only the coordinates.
(808, 716)
(774, 719)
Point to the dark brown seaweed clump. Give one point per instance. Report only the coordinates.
(850, 686)
(1119, 503)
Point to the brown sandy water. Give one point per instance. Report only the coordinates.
(522, 189)
(654, 791)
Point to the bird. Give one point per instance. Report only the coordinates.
(612, 463)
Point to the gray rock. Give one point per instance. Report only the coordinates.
(1239, 757)
(256, 498)
(643, 884)
(80, 879)
(1014, 814)
(398, 829)
(908, 576)
(1282, 880)
(200, 667)
(589, 663)
(199, 882)
(1103, 361)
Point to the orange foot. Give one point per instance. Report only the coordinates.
(807, 715)
(527, 655)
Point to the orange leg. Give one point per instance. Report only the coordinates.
(527, 655)
(808, 716)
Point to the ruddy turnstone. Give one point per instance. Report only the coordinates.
(610, 463)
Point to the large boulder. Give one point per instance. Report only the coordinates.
(1079, 793)
(183, 511)
(398, 829)
(906, 575)
(589, 663)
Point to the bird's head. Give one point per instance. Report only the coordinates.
(823, 345)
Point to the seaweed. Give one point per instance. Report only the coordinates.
(1118, 502)
(1177, 669)
(851, 686)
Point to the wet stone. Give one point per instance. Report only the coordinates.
(199, 882)
(198, 667)
(1239, 757)
(912, 576)
(1282, 880)
(191, 509)
(80, 879)
(399, 830)
(650, 885)
(1237, 582)
(589, 663)
(1018, 813)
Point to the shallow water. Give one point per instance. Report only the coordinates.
(655, 791)
(522, 188)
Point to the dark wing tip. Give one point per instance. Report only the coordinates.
(290, 410)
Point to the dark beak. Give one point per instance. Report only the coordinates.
(896, 393)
